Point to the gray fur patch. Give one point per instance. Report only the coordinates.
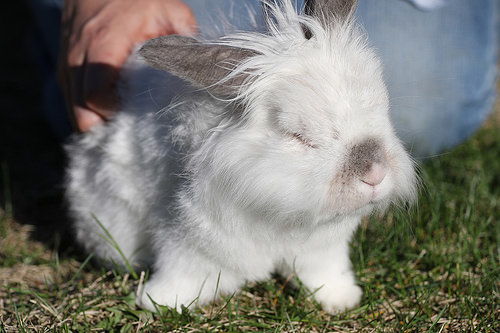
(326, 10)
(202, 65)
(362, 156)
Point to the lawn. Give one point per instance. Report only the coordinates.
(431, 269)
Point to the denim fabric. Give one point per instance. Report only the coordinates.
(440, 64)
(217, 18)
(428, 4)
(440, 67)
(45, 48)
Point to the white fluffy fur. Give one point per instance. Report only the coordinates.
(215, 193)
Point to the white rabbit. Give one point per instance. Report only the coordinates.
(266, 164)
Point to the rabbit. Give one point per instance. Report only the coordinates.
(275, 147)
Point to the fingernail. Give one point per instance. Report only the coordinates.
(86, 119)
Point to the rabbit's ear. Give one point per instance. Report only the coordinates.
(326, 10)
(203, 65)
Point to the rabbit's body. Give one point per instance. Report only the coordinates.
(214, 193)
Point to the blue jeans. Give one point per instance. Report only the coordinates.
(440, 65)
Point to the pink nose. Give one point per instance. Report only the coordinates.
(375, 175)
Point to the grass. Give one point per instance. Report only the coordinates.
(434, 269)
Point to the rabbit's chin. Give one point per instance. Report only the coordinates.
(364, 204)
(360, 200)
(358, 210)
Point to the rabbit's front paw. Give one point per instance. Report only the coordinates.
(155, 294)
(336, 299)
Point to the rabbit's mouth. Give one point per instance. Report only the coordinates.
(359, 198)
(377, 195)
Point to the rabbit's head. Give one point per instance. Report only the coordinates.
(311, 138)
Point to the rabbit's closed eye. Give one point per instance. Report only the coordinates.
(301, 139)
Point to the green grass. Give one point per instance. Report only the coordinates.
(433, 269)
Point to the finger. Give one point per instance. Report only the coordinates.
(65, 84)
(70, 85)
(103, 61)
(185, 28)
(184, 21)
(86, 119)
(99, 89)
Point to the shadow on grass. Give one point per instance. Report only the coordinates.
(31, 157)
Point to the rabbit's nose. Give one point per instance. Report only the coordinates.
(375, 175)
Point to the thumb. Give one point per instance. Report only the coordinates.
(103, 62)
(86, 119)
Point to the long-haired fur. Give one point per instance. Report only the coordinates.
(266, 161)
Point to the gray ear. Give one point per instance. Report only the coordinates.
(203, 65)
(326, 10)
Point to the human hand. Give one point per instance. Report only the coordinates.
(97, 38)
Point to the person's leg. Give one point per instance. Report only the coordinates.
(440, 67)
(45, 48)
(216, 18)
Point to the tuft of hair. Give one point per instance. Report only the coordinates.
(290, 35)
